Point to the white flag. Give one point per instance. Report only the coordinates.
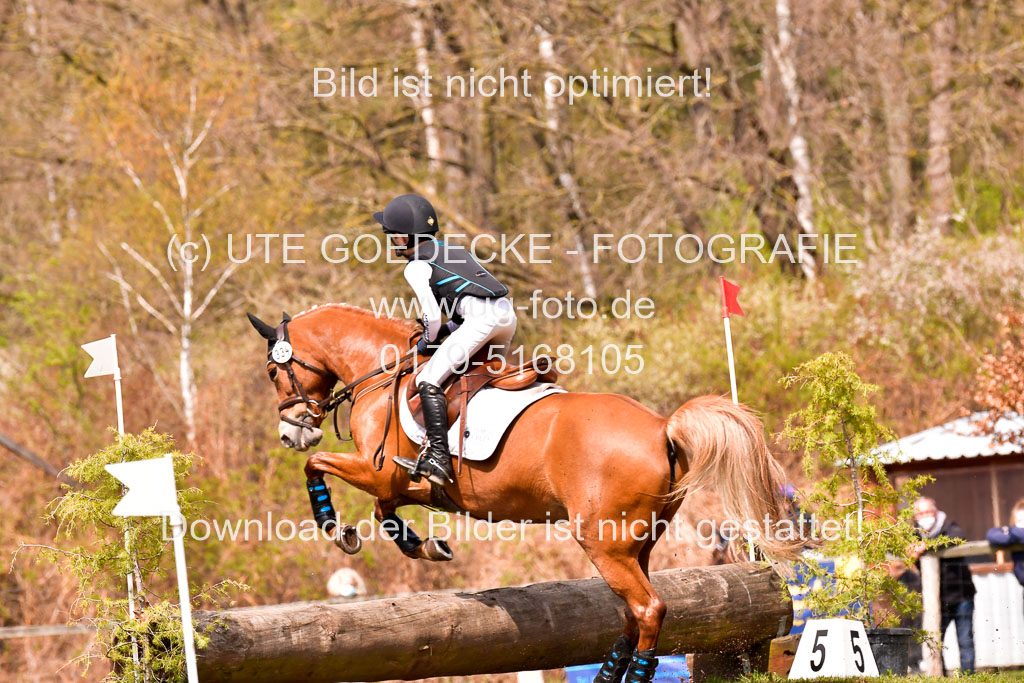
(104, 357)
(151, 491)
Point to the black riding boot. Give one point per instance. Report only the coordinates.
(642, 667)
(436, 463)
(615, 666)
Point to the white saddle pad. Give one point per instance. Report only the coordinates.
(490, 413)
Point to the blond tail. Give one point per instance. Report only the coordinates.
(723, 444)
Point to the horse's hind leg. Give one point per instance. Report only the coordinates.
(395, 528)
(663, 520)
(617, 562)
(623, 563)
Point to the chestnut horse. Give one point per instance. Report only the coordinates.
(579, 457)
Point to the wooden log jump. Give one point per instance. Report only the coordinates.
(731, 608)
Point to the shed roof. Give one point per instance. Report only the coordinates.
(955, 440)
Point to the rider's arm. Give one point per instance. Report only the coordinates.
(417, 273)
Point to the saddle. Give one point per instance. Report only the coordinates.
(461, 388)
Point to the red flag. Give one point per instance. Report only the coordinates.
(729, 303)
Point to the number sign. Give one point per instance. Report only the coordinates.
(833, 647)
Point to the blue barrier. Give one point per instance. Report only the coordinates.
(799, 590)
(669, 668)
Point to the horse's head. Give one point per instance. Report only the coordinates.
(302, 384)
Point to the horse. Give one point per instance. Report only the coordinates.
(580, 457)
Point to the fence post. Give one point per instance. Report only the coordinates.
(931, 620)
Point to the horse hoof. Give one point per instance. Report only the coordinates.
(347, 538)
(437, 550)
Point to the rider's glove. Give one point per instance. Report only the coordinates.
(445, 330)
(423, 348)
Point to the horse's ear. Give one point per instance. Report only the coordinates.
(266, 331)
(285, 317)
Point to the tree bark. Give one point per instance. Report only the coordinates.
(897, 132)
(423, 104)
(577, 213)
(940, 117)
(728, 608)
(798, 147)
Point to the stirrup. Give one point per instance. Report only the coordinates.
(416, 468)
(434, 473)
(410, 466)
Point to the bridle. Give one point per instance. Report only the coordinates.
(280, 354)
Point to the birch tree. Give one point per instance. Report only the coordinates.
(182, 302)
(422, 101)
(784, 53)
(559, 159)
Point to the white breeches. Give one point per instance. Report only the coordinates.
(485, 321)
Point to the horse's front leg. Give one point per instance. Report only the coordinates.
(350, 467)
(396, 528)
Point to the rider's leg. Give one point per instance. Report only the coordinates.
(436, 463)
(485, 321)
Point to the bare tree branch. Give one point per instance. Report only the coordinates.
(224, 189)
(213, 290)
(179, 173)
(155, 272)
(149, 308)
(34, 460)
(129, 170)
(197, 143)
(143, 352)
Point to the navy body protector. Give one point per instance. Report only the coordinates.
(455, 274)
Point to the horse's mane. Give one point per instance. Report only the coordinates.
(400, 325)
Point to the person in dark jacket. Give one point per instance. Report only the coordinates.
(956, 587)
(1011, 535)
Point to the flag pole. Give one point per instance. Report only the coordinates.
(178, 530)
(104, 359)
(131, 556)
(151, 492)
(117, 390)
(729, 306)
(726, 311)
(732, 364)
(178, 533)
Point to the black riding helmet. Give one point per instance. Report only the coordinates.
(409, 214)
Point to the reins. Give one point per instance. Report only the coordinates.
(284, 358)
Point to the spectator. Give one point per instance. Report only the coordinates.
(346, 583)
(1011, 535)
(956, 587)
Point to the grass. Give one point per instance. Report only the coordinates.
(981, 677)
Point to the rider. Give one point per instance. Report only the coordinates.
(447, 281)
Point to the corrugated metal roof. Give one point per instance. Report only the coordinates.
(954, 440)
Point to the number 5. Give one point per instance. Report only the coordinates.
(859, 663)
(819, 647)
